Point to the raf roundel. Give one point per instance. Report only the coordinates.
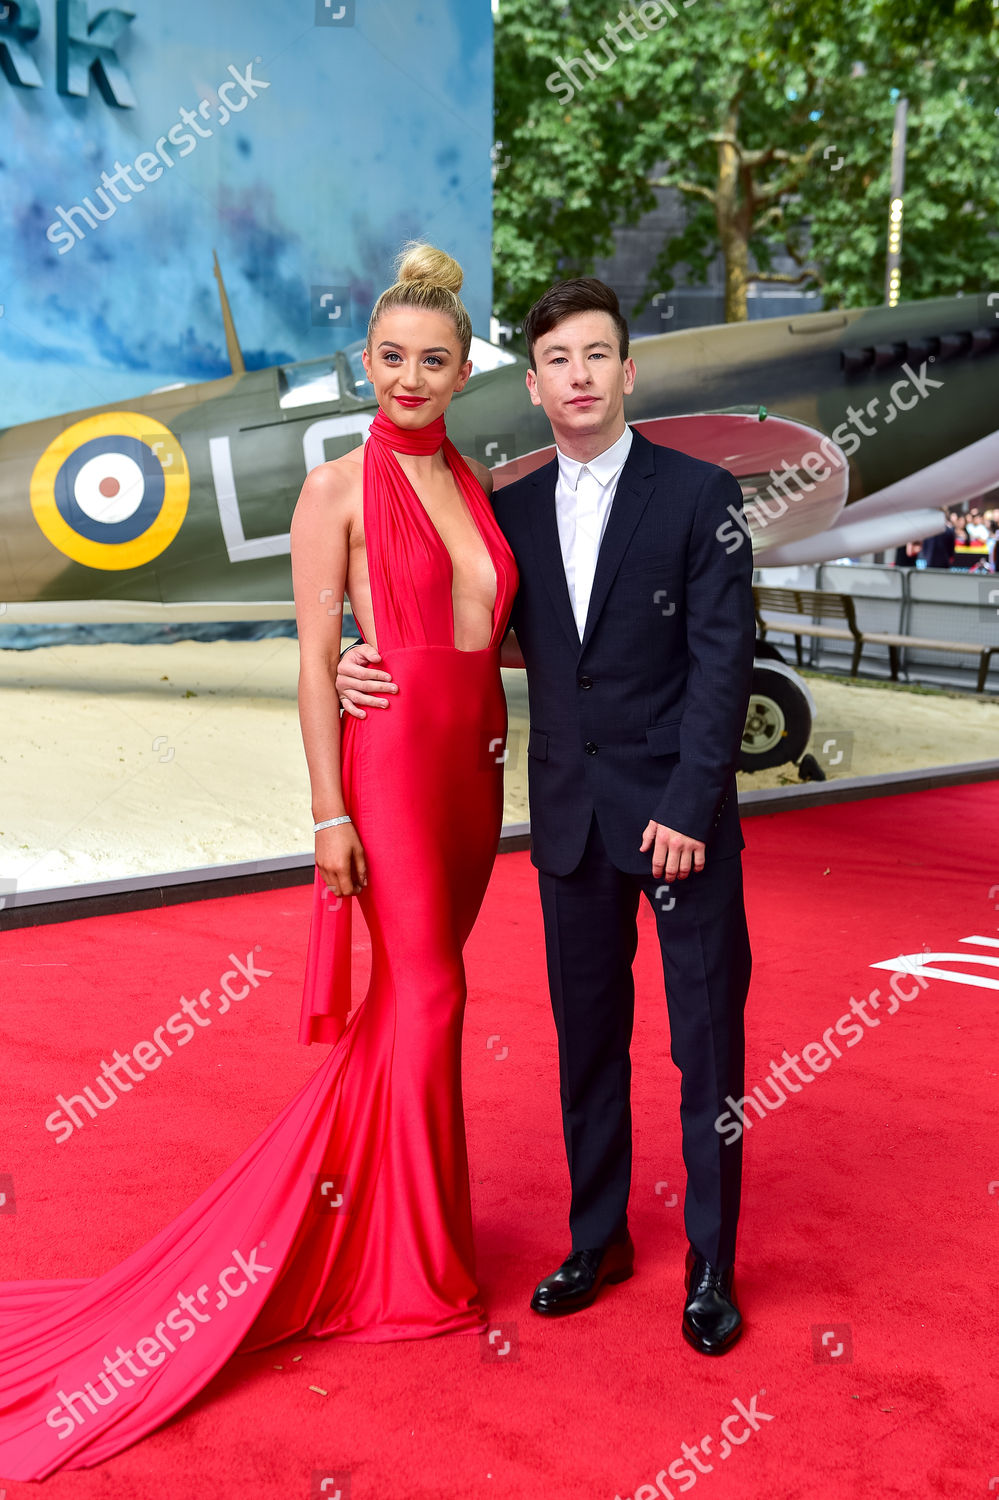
(111, 491)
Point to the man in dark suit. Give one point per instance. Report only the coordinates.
(637, 630)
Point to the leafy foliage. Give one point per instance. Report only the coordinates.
(774, 120)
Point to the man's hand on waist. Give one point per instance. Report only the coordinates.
(357, 679)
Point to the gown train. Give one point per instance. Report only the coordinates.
(349, 1216)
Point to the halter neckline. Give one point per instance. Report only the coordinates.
(416, 440)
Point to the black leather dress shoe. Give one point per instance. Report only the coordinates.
(581, 1275)
(711, 1321)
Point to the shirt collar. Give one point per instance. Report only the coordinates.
(603, 468)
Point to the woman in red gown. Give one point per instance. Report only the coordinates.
(350, 1215)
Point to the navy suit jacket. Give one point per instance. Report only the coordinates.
(644, 717)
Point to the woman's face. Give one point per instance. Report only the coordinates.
(415, 365)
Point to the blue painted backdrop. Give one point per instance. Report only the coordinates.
(371, 130)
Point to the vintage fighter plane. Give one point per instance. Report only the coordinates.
(846, 430)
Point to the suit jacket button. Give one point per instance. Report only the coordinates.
(584, 682)
(590, 748)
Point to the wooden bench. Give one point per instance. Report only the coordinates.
(817, 605)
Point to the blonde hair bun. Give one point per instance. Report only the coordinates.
(430, 279)
(424, 263)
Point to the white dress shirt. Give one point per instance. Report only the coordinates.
(584, 494)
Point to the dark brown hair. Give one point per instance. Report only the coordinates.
(564, 299)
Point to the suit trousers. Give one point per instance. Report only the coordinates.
(591, 936)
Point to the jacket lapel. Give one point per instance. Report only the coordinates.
(548, 548)
(634, 490)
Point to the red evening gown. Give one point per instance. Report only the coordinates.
(349, 1216)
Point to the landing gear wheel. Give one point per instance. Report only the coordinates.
(779, 718)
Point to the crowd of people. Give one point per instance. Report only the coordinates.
(970, 528)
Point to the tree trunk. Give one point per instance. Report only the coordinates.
(730, 216)
(736, 274)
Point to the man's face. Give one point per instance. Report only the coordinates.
(579, 377)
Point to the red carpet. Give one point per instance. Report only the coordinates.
(867, 1211)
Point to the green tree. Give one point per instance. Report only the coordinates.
(772, 119)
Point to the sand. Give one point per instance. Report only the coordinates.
(879, 727)
(120, 760)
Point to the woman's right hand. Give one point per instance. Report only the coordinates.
(340, 860)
